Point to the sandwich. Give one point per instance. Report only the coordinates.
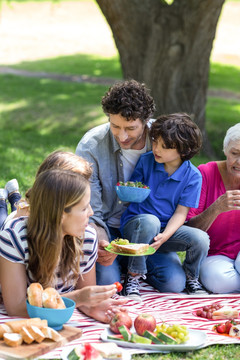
(130, 248)
(108, 350)
(226, 312)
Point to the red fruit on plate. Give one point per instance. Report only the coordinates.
(228, 326)
(118, 286)
(144, 322)
(119, 319)
(221, 328)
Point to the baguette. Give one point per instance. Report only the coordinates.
(12, 339)
(225, 312)
(26, 336)
(4, 328)
(130, 248)
(36, 333)
(50, 333)
(16, 325)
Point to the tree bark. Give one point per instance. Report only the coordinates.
(168, 48)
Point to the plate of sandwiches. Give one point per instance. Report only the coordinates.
(96, 351)
(124, 247)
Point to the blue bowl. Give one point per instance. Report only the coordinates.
(55, 317)
(132, 194)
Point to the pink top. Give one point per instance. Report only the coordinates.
(224, 232)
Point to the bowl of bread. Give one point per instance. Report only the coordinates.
(130, 191)
(49, 305)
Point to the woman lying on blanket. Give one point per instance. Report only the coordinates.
(56, 247)
(219, 214)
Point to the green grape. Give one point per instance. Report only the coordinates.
(178, 332)
(120, 241)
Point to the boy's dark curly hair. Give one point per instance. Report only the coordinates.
(130, 99)
(179, 132)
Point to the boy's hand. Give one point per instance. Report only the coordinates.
(158, 240)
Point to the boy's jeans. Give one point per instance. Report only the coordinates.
(163, 269)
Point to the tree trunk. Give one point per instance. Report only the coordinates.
(168, 48)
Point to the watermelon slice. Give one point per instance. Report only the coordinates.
(126, 333)
(150, 335)
(116, 337)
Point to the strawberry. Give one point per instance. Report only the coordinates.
(228, 326)
(118, 286)
(221, 328)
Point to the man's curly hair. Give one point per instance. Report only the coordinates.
(130, 99)
(179, 132)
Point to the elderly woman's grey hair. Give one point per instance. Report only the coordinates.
(233, 134)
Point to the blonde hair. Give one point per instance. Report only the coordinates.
(53, 192)
(64, 160)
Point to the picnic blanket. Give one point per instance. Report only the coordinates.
(167, 307)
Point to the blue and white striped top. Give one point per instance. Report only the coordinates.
(14, 247)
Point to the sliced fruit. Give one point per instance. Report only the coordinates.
(78, 353)
(150, 335)
(91, 353)
(116, 337)
(126, 333)
(140, 339)
(167, 339)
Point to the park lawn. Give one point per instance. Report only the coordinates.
(38, 116)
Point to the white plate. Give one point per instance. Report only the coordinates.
(196, 340)
(65, 352)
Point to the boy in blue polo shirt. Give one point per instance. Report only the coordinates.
(175, 187)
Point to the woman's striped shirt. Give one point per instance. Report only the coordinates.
(14, 247)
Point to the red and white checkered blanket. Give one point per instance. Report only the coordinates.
(171, 308)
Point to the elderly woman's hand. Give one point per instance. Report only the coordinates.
(228, 201)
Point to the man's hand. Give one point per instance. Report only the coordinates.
(104, 257)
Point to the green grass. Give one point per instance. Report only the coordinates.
(38, 116)
(78, 64)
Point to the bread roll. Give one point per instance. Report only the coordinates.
(52, 299)
(12, 339)
(34, 293)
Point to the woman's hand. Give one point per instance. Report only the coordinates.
(93, 295)
(105, 310)
(228, 201)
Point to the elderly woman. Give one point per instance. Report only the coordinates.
(219, 215)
